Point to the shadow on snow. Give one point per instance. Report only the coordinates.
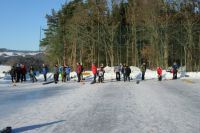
(32, 127)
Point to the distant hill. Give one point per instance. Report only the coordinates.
(12, 57)
(9, 50)
(8, 53)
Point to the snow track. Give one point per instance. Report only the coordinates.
(112, 107)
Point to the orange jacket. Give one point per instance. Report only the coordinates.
(94, 69)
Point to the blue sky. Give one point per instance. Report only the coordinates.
(20, 22)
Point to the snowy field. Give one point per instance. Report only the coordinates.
(112, 107)
(170, 106)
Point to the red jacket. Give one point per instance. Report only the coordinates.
(94, 69)
(23, 70)
(79, 69)
(159, 71)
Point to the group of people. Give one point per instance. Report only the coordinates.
(64, 70)
(19, 73)
(124, 70)
(118, 69)
(98, 72)
(174, 71)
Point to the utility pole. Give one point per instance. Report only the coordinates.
(40, 38)
(98, 36)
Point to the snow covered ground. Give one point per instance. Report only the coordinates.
(170, 106)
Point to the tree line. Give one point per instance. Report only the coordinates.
(158, 32)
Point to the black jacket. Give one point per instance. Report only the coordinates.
(127, 70)
(13, 71)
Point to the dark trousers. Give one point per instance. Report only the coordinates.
(175, 75)
(18, 77)
(159, 77)
(95, 76)
(45, 77)
(143, 74)
(100, 79)
(23, 77)
(79, 77)
(126, 77)
(13, 78)
(118, 76)
(56, 77)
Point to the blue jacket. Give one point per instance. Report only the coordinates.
(175, 66)
(68, 70)
(44, 70)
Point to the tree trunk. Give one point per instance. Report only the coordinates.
(166, 55)
(74, 56)
(65, 53)
(127, 54)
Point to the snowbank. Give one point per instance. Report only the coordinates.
(109, 74)
(4, 69)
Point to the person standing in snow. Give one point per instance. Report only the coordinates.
(63, 73)
(94, 72)
(67, 71)
(13, 74)
(117, 71)
(143, 70)
(159, 72)
(44, 71)
(175, 70)
(32, 74)
(127, 73)
(82, 70)
(101, 74)
(18, 72)
(23, 73)
(123, 71)
(60, 71)
(79, 71)
(56, 73)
